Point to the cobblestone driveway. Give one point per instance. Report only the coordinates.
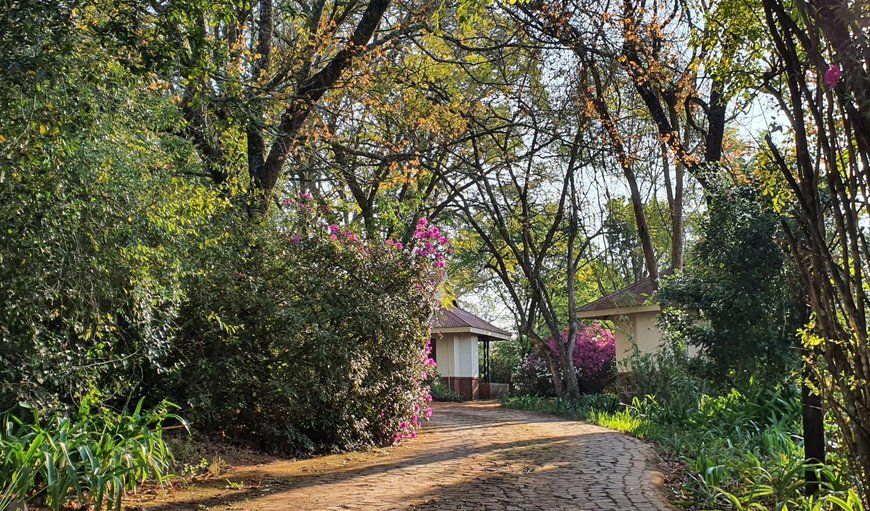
(474, 456)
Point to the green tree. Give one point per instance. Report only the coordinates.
(818, 77)
(100, 226)
(737, 299)
(248, 75)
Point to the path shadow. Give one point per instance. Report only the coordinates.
(254, 480)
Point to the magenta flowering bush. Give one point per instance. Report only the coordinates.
(594, 358)
(431, 250)
(312, 339)
(430, 256)
(422, 409)
(594, 355)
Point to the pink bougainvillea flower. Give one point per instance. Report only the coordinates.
(594, 350)
(429, 254)
(833, 75)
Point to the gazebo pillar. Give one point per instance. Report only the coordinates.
(486, 367)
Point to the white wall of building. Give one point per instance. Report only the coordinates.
(639, 329)
(444, 354)
(646, 332)
(466, 350)
(457, 355)
(624, 335)
(636, 330)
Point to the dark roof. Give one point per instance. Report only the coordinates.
(461, 318)
(634, 295)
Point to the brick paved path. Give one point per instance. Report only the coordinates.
(474, 456)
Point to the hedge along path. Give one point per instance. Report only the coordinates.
(474, 456)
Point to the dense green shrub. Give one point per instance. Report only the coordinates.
(301, 337)
(736, 299)
(669, 374)
(441, 392)
(504, 357)
(98, 232)
(89, 459)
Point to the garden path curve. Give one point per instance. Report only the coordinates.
(472, 456)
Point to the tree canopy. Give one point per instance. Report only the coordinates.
(231, 186)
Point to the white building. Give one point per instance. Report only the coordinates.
(634, 317)
(456, 338)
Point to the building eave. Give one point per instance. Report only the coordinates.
(616, 311)
(471, 330)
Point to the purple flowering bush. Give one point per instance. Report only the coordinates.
(594, 359)
(594, 356)
(311, 339)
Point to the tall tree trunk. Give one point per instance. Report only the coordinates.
(573, 391)
(552, 365)
(265, 177)
(572, 387)
(813, 419)
(643, 231)
(715, 123)
(256, 144)
(603, 111)
(675, 206)
(677, 222)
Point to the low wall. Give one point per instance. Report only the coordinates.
(492, 390)
(465, 386)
